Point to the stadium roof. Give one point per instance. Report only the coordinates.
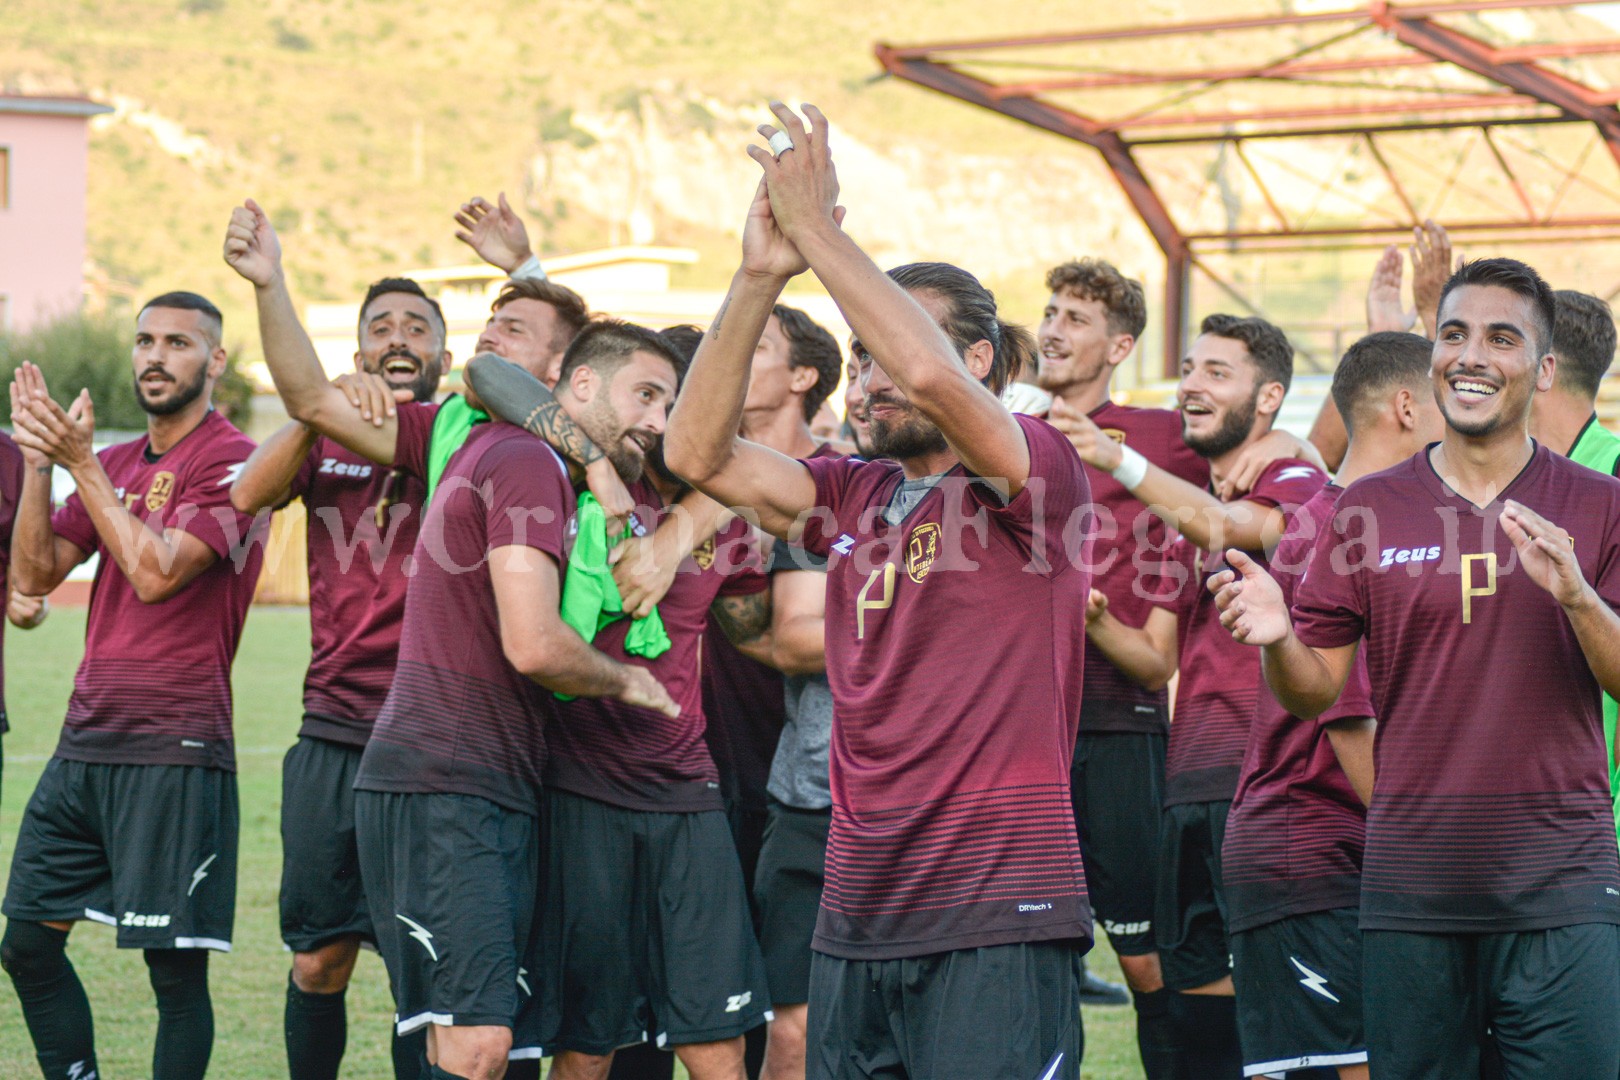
(1324, 128)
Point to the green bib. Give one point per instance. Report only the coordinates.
(451, 426)
(1599, 448)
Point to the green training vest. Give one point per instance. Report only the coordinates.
(1599, 448)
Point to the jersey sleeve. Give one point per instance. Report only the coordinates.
(203, 507)
(1037, 517)
(1288, 483)
(414, 437)
(1329, 608)
(740, 557)
(305, 476)
(1172, 581)
(530, 500)
(833, 476)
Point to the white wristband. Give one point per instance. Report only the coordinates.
(1131, 470)
(530, 270)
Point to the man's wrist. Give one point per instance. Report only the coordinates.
(1131, 469)
(528, 268)
(1583, 602)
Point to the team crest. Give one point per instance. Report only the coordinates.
(704, 555)
(921, 551)
(1115, 434)
(158, 494)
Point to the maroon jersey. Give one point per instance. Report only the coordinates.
(1295, 833)
(638, 758)
(1220, 679)
(954, 651)
(1130, 541)
(1491, 812)
(154, 687)
(459, 718)
(415, 437)
(11, 479)
(356, 585)
(742, 703)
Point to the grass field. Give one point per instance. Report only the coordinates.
(249, 983)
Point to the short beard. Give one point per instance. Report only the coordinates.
(1235, 428)
(912, 437)
(601, 425)
(183, 396)
(1478, 428)
(1051, 384)
(426, 383)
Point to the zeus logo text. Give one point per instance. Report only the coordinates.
(334, 467)
(735, 1002)
(1391, 556)
(132, 919)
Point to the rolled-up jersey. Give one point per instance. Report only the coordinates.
(1130, 544)
(1492, 812)
(356, 584)
(956, 657)
(1295, 833)
(460, 719)
(154, 687)
(1220, 679)
(638, 758)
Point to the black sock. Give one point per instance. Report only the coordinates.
(317, 1030)
(523, 1069)
(410, 1055)
(439, 1074)
(53, 1001)
(642, 1061)
(1155, 1034)
(185, 1033)
(1206, 1036)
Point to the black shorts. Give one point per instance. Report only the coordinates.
(645, 932)
(451, 882)
(1190, 911)
(787, 888)
(321, 896)
(1005, 1012)
(1550, 998)
(150, 849)
(1299, 993)
(748, 833)
(1117, 786)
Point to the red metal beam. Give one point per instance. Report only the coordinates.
(1354, 132)
(1378, 108)
(1115, 153)
(1382, 230)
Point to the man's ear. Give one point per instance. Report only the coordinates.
(1119, 347)
(803, 379)
(1544, 377)
(216, 362)
(1405, 410)
(979, 358)
(583, 382)
(359, 365)
(1269, 403)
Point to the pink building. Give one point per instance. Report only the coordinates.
(44, 147)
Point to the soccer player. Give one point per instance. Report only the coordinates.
(1480, 578)
(1566, 416)
(954, 912)
(134, 820)
(857, 430)
(1233, 382)
(362, 526)
(1090, 325)
(448, 794)
(1291, 862)
(23, 612)
(646, 931)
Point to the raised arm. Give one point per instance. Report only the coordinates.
(1199, 516)
(701, 443)
(254, 251)
(268, 474)
(892, 326)
(1306, 681)
(1148, 655)
(538, 643)
(497, 234)
(40, 560)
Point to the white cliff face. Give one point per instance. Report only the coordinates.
(676, 157)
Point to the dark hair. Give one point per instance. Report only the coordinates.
(1516, 277)
(1093, 279)
(972, 318)
(190, 301)
(606, 344)
(1375, 366)
(572, 314)
(809, 345)
(384, 286)
(682, 339)
(1583, 341)
(1268, 346)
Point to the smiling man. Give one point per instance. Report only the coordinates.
(1491, 884)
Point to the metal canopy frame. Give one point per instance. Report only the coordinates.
(1400, 88)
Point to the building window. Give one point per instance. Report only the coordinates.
(5, 178)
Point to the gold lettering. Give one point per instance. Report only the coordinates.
(1469, 591)
(864, 601)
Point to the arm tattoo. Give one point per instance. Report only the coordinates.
(551, 423)
(743, 618)
(719, 317)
